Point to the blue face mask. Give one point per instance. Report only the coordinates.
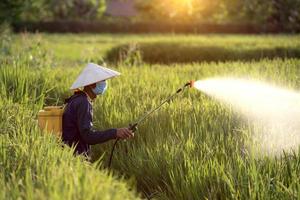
(100, 88)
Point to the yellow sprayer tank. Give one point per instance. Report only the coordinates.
(50, 119)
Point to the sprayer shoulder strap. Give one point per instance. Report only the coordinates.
(71, 98)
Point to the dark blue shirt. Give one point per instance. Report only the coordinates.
(77, 125)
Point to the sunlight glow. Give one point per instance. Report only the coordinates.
(178, 8)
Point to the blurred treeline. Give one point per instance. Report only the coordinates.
(274, 12)
(44, 10)
(283, 14)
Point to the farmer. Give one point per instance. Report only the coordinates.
(77, 118)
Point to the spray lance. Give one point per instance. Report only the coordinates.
(133, 127)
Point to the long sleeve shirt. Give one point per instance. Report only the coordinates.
(77, 126)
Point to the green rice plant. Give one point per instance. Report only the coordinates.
(177, 52)
(70, 48)
(35, 164)
(196, 147)
(193, 148)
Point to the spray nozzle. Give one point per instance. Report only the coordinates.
(190, 84)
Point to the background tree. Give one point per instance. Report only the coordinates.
(76, 9)
(283, 14)
(41, 10)
(10, 10)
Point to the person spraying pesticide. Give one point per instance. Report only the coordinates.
(77, 126)
(76, 120)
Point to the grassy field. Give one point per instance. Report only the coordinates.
(194, 148)
(157, 48)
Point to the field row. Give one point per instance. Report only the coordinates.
(194, 148)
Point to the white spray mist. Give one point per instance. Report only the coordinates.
(276, 108)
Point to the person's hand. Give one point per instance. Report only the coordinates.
(124, 133)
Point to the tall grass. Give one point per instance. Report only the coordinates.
(162, 52)
(33, 164)
(194, 148)
(80, 48)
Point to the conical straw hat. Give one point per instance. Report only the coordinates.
(93, 73)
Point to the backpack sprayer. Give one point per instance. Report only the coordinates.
(133, 127)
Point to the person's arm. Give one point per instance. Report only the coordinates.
(84, 124)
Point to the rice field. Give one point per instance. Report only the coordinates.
(193, 148)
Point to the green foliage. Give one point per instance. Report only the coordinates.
(178, 52)
(10, 10)
(33, 164)
(254, 11)
(194, 148)
(283, 15)
(75, 9)
(277, 13)
(126, 54)
(5, 45)
(169, 48)
(286, 13)
(36, 10)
